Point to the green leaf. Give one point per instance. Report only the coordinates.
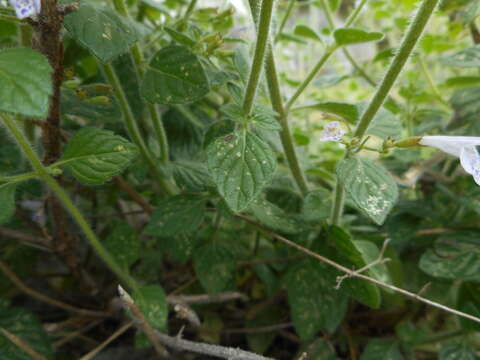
(306, 32)
(26, 81)
(174, 76)
(107, 110)
(26, 326)
(385, 124)
(453, 257)
(380, 349)
(355, 36)
(329, 80)
(466, 105)
(181, 246)
(95, 155)
(178, 214)
(191, 175)
(316, 205)
(179, 37)
(349, 255)
(152, 302)
(468, 301)
(103, 32)
(457, 351)
(370, 253)
(265, 118)
(466, 58)
(260, 342)
(7, 199)
(347, 111)
(462, 81)
(241, 164)
(369, 185)
(314, 302)
(274, 217)
(214, 266)
(123, 244)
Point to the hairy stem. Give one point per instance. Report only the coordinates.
(277, 105)
(354, 15)
(66, 201)
(411, 38)
(263, 34)
(285, 18)
(337, 208)
(133, 129)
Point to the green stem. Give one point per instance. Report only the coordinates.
(132, 127)
(277, 105)
(18, 178)
(138, 61)
(285, 18)
(66, 201)
(328, 13)
(189, 10)
(353, 16)
(408, 44)
(337, 208)
(313, 73)
(263, 34)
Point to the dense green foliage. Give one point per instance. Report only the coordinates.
(251, 173)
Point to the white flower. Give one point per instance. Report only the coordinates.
(463, 147)
(332, 132)
(26, 8)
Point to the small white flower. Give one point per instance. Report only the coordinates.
(332, 132)
(463, 147)
(26, 8)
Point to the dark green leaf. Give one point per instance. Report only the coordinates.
(385, 124)
(191, 175)
(94, 155)
(181, 246)
(25, 78)
(379, 349)
(265, 118)
(355, 36)
(316, 206)
(152, 302)
(102, 31)
(241, 164)
(178, 214)
(215, 266)
(369, 185)
(315, 304)
(26, 326)
(457, 351)
(275, 218)
(260, 342)
(466, 104)
(123, 244)
(175, 75)
(453, 257)
(7, 201)
(347, 111)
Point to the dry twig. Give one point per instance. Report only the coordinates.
(21, 344)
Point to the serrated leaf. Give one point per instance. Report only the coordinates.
(152, 302)
(214, 266)
(265, 118)
(379, 349)
(351, 257)
(385, 124)
(466, 58)
(233, 112)
(26, 81)
(71, 104)
(95, 155)
(241, 164)
(7, 201)
(306, 32)
(26, 326)
(123, 244)
(102, 31)
(314, 302)
(316, 205)
(457, 351)
(369, 185)
(191, 175)
(350, 36)
(453, 257)
(178, 214)
(347, 111)
(275, 218)
(175, 75)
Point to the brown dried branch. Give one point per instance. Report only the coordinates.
(206, 299)
(133, 194)
(177, 343)
(35, 294)
(352, 273)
